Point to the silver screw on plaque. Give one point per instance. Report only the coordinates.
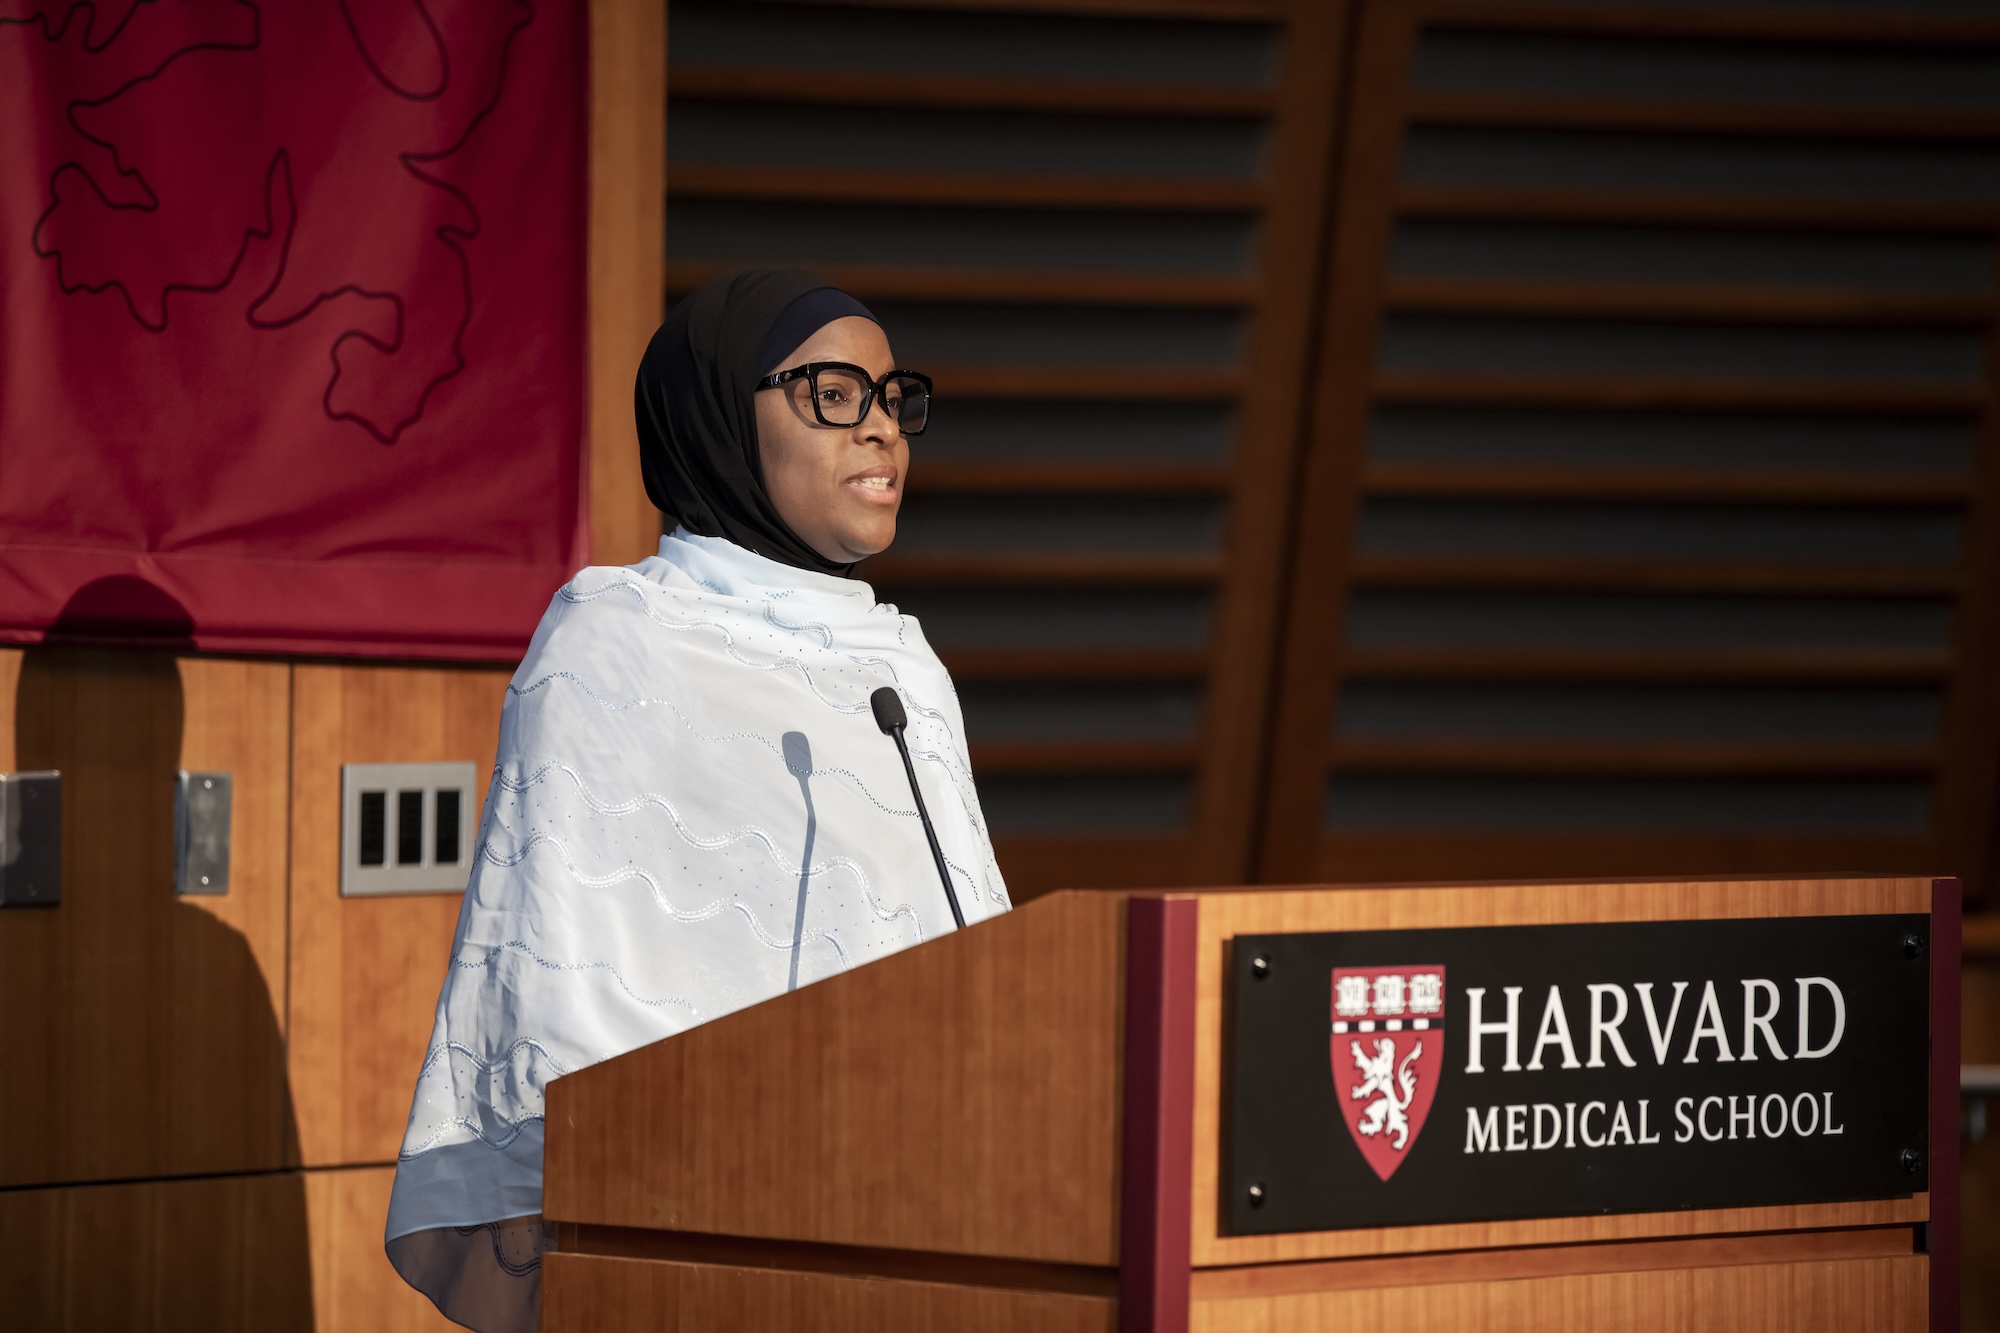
(1260, 966)
(1910, 1160)
(1256, 1193)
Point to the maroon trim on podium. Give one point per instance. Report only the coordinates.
(1941, 1232)
(1156, 1202)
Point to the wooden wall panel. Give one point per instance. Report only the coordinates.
(628, 123)
(10, 675)
(144, 1035)
(1879, 1291)
(595, 1294)
(366, 971)
(239, 721)
(216, 1255)
(354, 1289)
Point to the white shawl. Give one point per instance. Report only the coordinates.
(692, 805)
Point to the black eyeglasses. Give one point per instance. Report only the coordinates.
(843, 393)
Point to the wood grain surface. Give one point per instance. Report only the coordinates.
(1358, 241)
(10, 677)
(238, 721)
(1881, 1295)
(593, 1294)
(1399, 854)
(216, 1255)
(144, 1034)
(1278, 358)
(628, 167)
(838, 87)
(1422, 1270)
(366, 971)
(354, 1290)
(959, 1097)
(1224, 915)
(1407, 99)
(266, 1253)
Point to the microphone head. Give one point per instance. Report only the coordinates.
(888, 707)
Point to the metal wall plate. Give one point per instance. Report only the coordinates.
(30, 839)
(201, 832)
(407, 828)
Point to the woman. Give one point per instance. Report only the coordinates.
(693, 809)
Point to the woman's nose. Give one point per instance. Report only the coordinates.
(886, 429)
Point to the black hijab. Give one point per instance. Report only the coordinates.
(696, 409)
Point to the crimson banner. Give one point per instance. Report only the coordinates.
(291, 322)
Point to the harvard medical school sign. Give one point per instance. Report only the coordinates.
(1381, 1078)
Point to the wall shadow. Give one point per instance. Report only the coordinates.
(144, 1045)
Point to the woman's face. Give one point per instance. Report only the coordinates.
(839, 487)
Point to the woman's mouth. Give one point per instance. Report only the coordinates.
(876, 487)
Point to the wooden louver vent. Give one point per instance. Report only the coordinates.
(1653, 452)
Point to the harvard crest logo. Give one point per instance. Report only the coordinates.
(1388, 1049)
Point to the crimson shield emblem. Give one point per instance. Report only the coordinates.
(1388, 1050)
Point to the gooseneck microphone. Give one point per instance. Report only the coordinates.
(889, 716)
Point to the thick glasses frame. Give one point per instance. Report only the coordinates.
(810, 372)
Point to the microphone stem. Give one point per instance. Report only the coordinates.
(937, 852)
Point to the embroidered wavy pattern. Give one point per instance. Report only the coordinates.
(508, 1266)
(522, 946)
(747, 831)
(729, 644)
(630, 872)
(845, 774)
(825, 632)
(728, 638)
(481, 1126)
(950, 757)
(649, 701)
(915, 705)
(488, 1066)
(474, 1128)
(580, 850)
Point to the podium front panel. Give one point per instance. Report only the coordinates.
(1027, 1124)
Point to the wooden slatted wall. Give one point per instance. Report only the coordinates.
(1652, 449)
(1096, 225)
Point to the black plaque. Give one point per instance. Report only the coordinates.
(1822, 1124)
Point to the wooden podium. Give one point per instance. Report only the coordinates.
(1021, 1126)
